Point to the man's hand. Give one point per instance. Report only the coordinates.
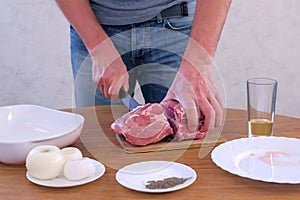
(194, 89)
(109, 71)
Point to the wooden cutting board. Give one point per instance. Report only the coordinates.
(211, 139)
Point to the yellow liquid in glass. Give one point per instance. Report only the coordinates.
(260, 127)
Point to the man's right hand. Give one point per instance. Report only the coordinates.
(109, 71)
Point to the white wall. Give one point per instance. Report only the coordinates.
(34, 54)
(260, 38)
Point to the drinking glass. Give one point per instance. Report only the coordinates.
(261, 101)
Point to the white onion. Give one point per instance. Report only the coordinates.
(45, 162)
(79, 169)
(71, 153)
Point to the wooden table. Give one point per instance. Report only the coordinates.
(98, 142)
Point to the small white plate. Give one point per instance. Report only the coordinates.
(61, 181)
(269, 159)
(136, 176)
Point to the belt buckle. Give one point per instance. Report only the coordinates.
(184, 9)
(178, 10)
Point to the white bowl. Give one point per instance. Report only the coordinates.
(23, 127)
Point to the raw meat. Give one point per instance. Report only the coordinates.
(144, 125)
(150, 123)
(178, 121)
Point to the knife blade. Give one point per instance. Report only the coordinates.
(127, 100)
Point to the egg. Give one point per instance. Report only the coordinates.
(79, 169)
(45, 162)
(71, 153)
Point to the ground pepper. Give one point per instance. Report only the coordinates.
(165, 183)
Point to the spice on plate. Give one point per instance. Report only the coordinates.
(165, 183)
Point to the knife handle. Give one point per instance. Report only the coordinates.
(122, 93)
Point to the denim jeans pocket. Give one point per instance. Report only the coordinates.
(177, 24)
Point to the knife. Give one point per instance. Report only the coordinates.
(128, 100)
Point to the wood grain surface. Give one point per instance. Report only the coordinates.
(98, 142)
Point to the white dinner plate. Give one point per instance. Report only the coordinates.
(61, 181)
(135, 176)
(269, 159)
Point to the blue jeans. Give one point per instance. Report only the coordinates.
(151, 51)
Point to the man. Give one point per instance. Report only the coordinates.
(148, 41)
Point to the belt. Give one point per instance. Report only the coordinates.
(178, 10)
